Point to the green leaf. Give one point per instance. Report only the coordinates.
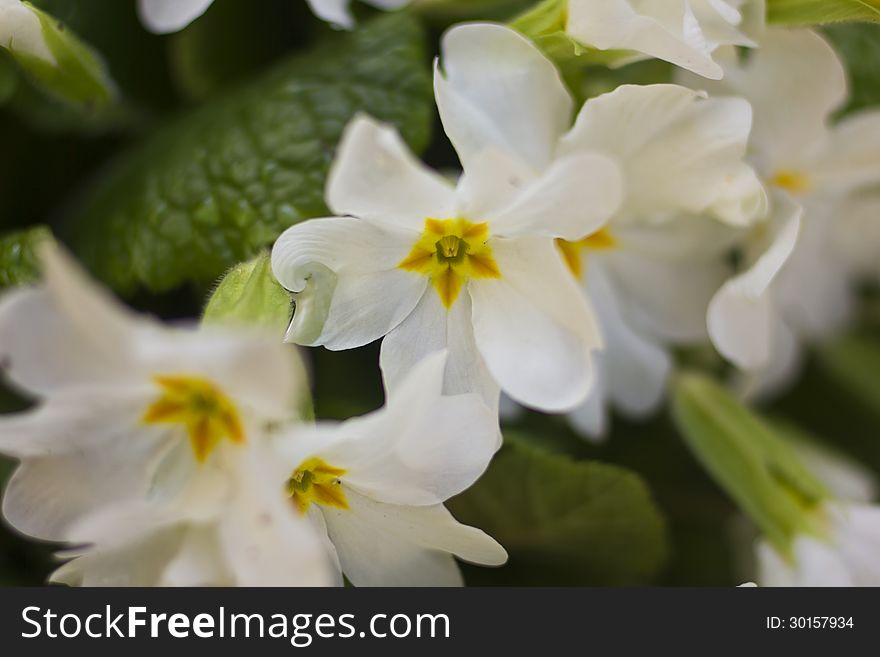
(859, 45)
(818, 12)
(854, 362)
(18, 260)
(220, 184)
(746, 457)
(564, 522)
(250, 295)
(233, 40)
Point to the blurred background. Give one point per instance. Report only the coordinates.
(221, 138)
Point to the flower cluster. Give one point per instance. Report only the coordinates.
(582, 247)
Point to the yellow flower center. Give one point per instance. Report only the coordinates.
(450, 252)
(792, 181)
(316, 481)
(207, 413)
(572, 252)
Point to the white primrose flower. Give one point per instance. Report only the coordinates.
(652, 270)
(21, 31)
(845, 548)
(166, 16)
(684, 32)
(796, 286)
(147, 442)
(376, 485)
(473, 267)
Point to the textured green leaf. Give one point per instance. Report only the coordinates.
(564, 522)
(746, 457)
(818, 12)
(18, 262)
(854, 362)
(218, 185)
(250, 295)
(860, 47)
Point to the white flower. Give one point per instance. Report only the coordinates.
(376, 484)
(21, 31)
(147, 442)
(684, 32)
(848, 554)
(653, 268)
(166, 16)
(473, 267)
(844, 549)
(795, 82)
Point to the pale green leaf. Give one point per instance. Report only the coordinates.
(818, 12)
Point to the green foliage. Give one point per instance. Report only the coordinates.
(854, 362)
(817, 12)
(18, 261)
(859, 45)
(564, 522)
(221, 183)
(743, 453)
(250, 295)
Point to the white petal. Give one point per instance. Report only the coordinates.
(138, 563)
(346, 281)
(668, 31)
(430, 328)
(591, 419)
(637, 368)
(385, 545)
(79, 452)
(680, 152)
(845, 477)
(165, 16)
(65, 332)
(857, 533)
(791, 68)
(779, 371)
(742, 316)
(422, 448)
(498, 91)
(198, 561)
(574, 198)
(664, 275)
(815, 563)
(376, 177)
(265, 541)
(852, 158)
(334, 12)
(21, 31)
(534, 328)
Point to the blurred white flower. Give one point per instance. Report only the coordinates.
(376, 484)
(844, 549)
(336, 12)
(653, 268)
(795, 287)
(684, 32)
(21, 31)
(471, 268)
(166, 16)
(146, 442)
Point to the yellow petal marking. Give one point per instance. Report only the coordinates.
(572, 252)
(450, 252)
(317, 481)
(208, 415)
(792, 181)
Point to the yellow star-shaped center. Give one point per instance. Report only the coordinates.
(317, 481)
(450, 252)
(197, 404)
